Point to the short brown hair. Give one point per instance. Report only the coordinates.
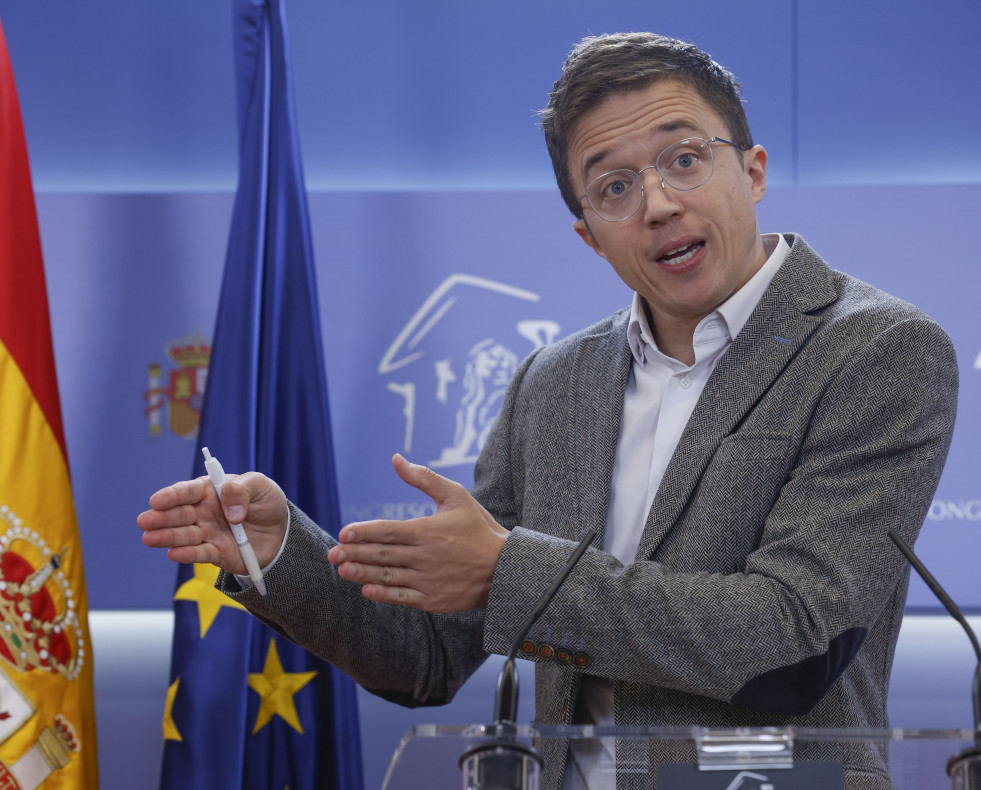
(602, 65)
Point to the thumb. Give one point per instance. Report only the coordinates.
(435, 486)
(235, 500)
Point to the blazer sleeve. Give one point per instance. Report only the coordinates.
(401, 654)
(765, 588)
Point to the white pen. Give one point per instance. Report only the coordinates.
(217, 475)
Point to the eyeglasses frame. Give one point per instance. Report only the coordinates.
(664, 184)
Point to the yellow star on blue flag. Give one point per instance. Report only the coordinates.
(276, 689)
(200, 589)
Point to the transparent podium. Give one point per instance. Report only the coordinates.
(524, 757)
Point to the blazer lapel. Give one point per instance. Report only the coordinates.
(774, 333)
(597, 384)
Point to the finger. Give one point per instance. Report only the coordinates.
(373, 554)
(186, 555)
(438, 488)
(178, 536)
(181, 516)
(186, 492)
(190, 544)
(383, 575)
(404, 596)
(402, 533)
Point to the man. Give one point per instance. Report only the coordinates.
(743, 436)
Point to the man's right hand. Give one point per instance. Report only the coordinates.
(188, 520)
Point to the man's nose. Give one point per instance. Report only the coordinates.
(661, 202)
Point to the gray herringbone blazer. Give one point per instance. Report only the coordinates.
(765, 590)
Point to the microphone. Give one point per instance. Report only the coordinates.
(963, 768)
(503, 763)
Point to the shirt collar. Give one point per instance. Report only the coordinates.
(735, 311)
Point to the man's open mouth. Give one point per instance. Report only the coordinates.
(681, 255)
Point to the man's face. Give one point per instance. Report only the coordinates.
(684, 252)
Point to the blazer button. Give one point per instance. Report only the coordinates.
(529, 648)
(581, 660)
(546, 652)
(563, 656)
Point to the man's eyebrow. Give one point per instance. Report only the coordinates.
(682, 125)
(677, 126)
(595, 159)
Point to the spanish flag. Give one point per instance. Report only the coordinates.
(47, 707)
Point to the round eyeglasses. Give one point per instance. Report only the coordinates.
(684, 165)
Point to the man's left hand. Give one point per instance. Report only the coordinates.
(440, 563)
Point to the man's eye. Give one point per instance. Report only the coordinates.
(616, 187)
(685, 161)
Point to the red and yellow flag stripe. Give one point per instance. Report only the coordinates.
(47, 707)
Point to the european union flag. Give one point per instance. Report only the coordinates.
(247, 709)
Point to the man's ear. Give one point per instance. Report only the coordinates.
(756, 159)
(581, 227)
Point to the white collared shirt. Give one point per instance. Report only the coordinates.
(660, 397)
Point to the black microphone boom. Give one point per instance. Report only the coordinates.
(964, 768)
(503, 763)
(506, 700)
(955, 612)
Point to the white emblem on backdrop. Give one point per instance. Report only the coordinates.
(977, 361)
(457, 354)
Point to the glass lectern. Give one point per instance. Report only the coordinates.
(433, 757)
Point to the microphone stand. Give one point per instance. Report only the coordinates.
(503, 763)
(963, 768)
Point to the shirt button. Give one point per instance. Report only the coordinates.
(685, 383)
